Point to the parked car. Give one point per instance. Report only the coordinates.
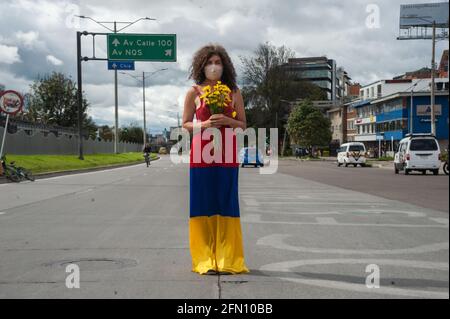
(352, 153)
(162, 150)
(418, 152)
(251, 156)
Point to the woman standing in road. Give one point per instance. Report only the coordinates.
(215, 234)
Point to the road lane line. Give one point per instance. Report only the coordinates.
(326, 220)
(440, 220)
(88, 173)
(285, 267)
(277, 212)
(278, 241)
(348, 224)
(84, 192)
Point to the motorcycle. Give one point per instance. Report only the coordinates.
(444, 157)
(445, 167)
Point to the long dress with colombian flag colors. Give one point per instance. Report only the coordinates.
(215, 235)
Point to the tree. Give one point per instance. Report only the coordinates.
(132, 133)
(307, 126)
(268, 85)
(53, 101)
(106, 133)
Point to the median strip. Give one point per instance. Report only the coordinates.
(49, 164)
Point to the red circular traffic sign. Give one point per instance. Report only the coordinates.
(11, 102)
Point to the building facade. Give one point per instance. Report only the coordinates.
(337, 130)
(394, 118)
(322, 72)
(349, 119)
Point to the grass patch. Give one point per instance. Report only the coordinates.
(60, 163)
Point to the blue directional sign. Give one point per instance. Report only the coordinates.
(120, 65)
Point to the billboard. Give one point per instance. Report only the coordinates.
(425, 110)
(423, 15)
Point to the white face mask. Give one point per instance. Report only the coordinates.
(213, 72)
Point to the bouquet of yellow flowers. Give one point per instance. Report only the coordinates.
(218, 99)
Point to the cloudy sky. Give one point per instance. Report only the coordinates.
(38, 37)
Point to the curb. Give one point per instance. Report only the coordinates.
(79, 171)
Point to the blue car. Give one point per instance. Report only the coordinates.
(251, 156)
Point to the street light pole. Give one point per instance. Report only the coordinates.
(79, 99)
(433, 124)
(143, 103)
(143, 100)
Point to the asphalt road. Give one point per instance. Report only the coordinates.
(427, 191)
(127, 231)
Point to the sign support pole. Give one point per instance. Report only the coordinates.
(4, 135)
(116, 107)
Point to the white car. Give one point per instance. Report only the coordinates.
(352, 153)
(418, 152)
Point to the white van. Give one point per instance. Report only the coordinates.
(418, 152)
(352, 153)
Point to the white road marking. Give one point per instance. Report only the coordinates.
(390, 211)
(254, 202)
(440, 220)
(2, 213)
(276, 212)
(251, 218)
(326, 220)
(269, 197)
(88, 173)
(84, 192)
(259, 221)
(278, 241)
(250, 202)
(286, 268)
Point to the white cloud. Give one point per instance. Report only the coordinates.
(9, 54)
(28, 39)
(53, 60)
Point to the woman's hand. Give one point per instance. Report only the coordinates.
(208, 124)
(218, 120)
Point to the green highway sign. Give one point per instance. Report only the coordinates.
(142, 47)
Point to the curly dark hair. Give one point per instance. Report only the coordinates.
(202, 56)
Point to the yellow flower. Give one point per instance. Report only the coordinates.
(207, 89)
(234, 114)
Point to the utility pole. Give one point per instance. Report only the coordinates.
(433, 40)
(143, 102)
(79, 99)
(411, 110)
